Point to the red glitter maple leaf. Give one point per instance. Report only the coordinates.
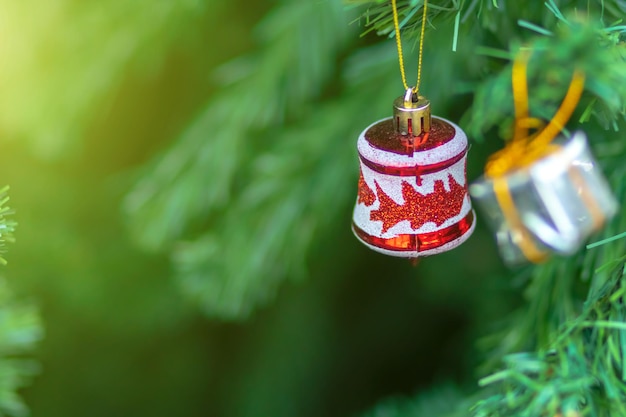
(366, 194)
(418, 209)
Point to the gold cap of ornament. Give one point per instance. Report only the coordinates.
(411, 114)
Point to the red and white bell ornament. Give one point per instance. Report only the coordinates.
(412, 196)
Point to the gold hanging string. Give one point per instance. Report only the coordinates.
(419, 63)
(396, 25)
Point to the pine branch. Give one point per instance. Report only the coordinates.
(222, 176)
(20, 331)
(581, 371)
(493, 15)
(598, 52)
(378, 16)
(572, 346)
(562, 357)
(573, 360)
(268, 230)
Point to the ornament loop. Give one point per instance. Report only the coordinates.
(409, 97)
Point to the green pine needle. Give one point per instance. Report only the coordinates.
(7, 226)
(607, 240)
(532, 26)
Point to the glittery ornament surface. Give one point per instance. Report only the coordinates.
(366, 194)
(420, 242)
(384, 136)
(421, 205)
(379, 144)
(413, 171)
(418, 209)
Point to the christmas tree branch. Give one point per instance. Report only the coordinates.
(251, 182)
(581, 370)
(563, 355)
(598, 52)
(564, 352)
(596, 48)
(491, 14)
(279, 208)
(378, 17)
(20, 331)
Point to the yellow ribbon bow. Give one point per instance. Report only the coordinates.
(523, 150)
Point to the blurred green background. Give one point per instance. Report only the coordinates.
(94, 95)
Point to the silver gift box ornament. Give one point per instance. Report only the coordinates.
(553, 205)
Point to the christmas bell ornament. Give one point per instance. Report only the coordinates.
(412, 194)
(412, 199)
(553, 205)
